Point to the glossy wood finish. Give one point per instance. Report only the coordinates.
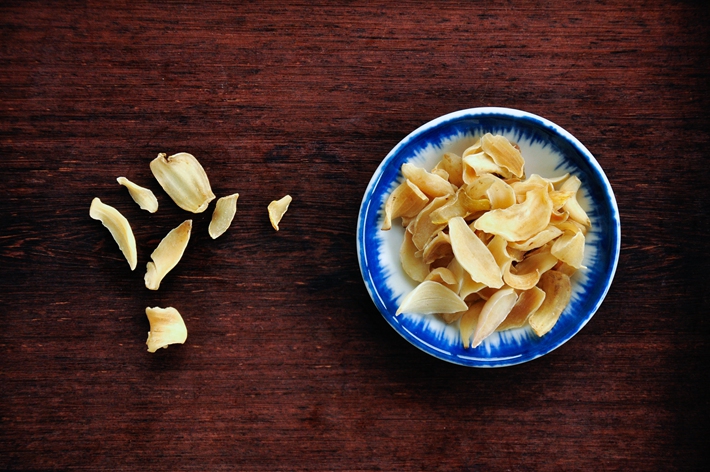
(288, 365)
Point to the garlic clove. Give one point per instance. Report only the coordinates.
(184, 180)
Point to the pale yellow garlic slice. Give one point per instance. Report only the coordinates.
(405, 201)
(184, 180)
(445, 277)
(429, 298)
(438, 247)
(559, 199)
(277, 209)
(558, 291)
(144, 197)
(494, 311)
(223, 214)
(473, 255)
(167, 254)
(413, 266)
(521, 188)
(504, 153)
(468, 322)
(569, 248)
(500, 194)
(539, 240)
(461, 205)
(528, 303)
(422, 228)
(166, 327)
(453, 166)
(572, 205)
(520, 221)
(481, 164)
(119, 228)
(431, 184)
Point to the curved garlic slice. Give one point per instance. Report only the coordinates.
(493, 313)
(412, 265)
(144, 197)
(558, 291)
(503, 153)
(539, 240)
(569, 248)
(404, 201)
(431, 184)
(166, 327)
(430, 298)
(167, 254)
(184, 180)
(473, 255)
(572, 205)
(119, 228)
(520, 221)
(422, 228)
(468, 322)
(480, 164)
(223, 214)
(453, 165)
(528, 303)
(277, 209)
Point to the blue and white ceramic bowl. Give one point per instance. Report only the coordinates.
(549, 151)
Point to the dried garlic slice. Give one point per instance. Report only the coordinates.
(144, 197)
(468, 322)
(494, 311)
(406, 200)
(184, 180)
(277, 208)
(437, 248)
(520, 221)
(422, 228)
(414, 266)
(223, 214)
(503, 153)
(473, 255)
(166, 327)
(481, 164)
(167, 254)
(430, 298)
(431, 184)
(572, 205)
(558, 291)
(569, 248)
(445, 277)
(119, 228)
(528, 303)
(539, 240)
(453, 165)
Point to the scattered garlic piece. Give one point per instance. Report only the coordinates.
(167, 254)
(119, 227)
(144, 197)
(223, 214)
(166, 327)
(184, 180)
(277, 208)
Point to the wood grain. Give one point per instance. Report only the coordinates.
(288, 364)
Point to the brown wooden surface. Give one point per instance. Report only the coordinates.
(288, 364)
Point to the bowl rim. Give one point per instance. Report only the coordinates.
(500, 112)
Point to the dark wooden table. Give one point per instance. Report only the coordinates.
(288, 364)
